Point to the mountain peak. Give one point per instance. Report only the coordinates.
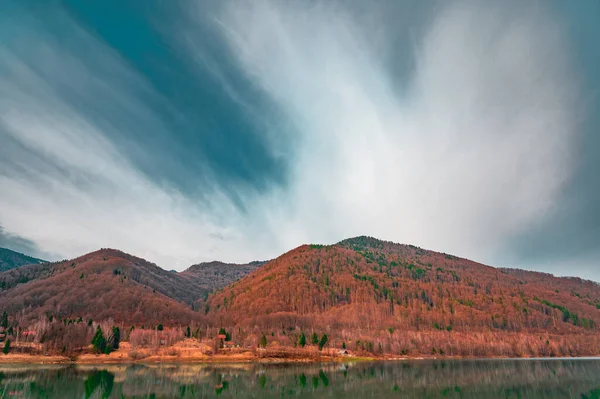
(363, 242)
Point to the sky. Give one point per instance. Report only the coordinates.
(191, 131)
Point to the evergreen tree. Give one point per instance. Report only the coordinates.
(314, 339)
(6, 348)
(302, 340)
(263, 341)
(159, 327)
(115, 340)
(4, 320)
(188, 332)
(323, 341)
(343, 345)
(222, 331)
(99, 342)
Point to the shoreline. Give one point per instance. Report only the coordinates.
(91, 359)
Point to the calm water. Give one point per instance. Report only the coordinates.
(416, 379)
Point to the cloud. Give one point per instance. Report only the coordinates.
(65, 184)
(473, 150)
(22, 245)
(463, 150)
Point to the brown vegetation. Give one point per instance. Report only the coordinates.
(103, 285)
(363, 295)
(215, 275)
(380, 297)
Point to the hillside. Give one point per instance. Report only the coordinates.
(215, 275)
(110, 284)
(11, 259)
(401, 298)
(102, 285)
(367, 295)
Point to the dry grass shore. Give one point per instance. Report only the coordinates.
(192, 351)
(246, 357)
(188, 351)
(32, 359)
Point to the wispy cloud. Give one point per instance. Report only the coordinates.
(471, 149)
(64, 183)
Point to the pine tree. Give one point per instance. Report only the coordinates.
(302, 340)
(314, 339)
(115, 340)
(188, 332)
(159, 327)
(6, 348)
(99, 342)
(323, 341)
(224, 332)
(263, 341)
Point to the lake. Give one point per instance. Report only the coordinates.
(551, 378)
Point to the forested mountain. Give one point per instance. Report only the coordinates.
(215, 275)
(106, 284)
(112, 284)
(399, 296)
(362, 293)
(11, 259)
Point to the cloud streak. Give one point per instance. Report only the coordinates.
(66, 186)
(474, 150)
(461, 152)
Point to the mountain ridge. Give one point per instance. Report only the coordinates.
(10, 259)
(369, 295)
(40, 288)
(364, 289)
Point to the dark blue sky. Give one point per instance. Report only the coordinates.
(189, 131)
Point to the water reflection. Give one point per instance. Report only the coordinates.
(419, 379)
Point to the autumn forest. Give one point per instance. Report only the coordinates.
(359, 297)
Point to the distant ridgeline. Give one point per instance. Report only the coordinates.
(11, 259)
(361, 295)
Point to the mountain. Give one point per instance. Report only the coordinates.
(102, 285)
(215, 275)
(112, 284)
(367, 295)
(11, 259)
(397, 298)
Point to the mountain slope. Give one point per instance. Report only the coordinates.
(102, 285)
(11, 259)
(367, 288)
(368, 295)
(215, 275)
(112, 284)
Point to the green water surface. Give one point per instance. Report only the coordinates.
(552, 378)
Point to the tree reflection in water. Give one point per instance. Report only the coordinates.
(569, 378)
